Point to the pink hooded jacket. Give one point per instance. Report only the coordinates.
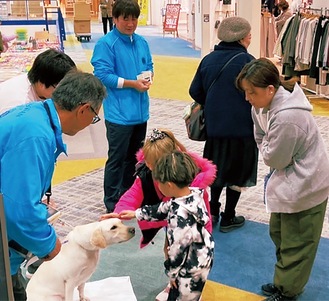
(133, 198)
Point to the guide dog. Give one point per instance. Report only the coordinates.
(76, 262)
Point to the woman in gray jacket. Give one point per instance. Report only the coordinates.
(296, 193)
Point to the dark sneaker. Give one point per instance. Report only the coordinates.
(279, 297)
(269, 289)
(229, 225)
(215, 219)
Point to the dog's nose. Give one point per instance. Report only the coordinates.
(132, 230)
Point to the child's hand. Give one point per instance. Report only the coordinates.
(173, 283)
(109, 215)
(127, 214)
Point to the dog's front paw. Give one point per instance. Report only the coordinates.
(84, 299)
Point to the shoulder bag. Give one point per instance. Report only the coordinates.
(194, 113)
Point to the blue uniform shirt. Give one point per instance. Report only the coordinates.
(29, 147)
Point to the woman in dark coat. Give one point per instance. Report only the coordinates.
(230, 143)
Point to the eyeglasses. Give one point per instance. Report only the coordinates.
(96, 118)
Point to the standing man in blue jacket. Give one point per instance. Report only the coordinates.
(31, 140)
(121, 59)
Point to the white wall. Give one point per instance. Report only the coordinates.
(320, 3)
(316, 3)
(155, 17)
(250, 10)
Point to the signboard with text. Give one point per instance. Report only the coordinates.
(170, 23)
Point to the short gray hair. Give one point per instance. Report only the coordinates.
(79, 87)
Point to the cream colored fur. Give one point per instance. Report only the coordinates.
(55, 280)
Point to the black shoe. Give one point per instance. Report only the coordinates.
(229, 225)
(279, 297)
(269, 289)
(215, 219)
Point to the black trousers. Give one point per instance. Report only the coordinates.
(19, 284)
(123, 143)
(104, 21)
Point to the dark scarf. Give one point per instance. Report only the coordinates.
(150, 197)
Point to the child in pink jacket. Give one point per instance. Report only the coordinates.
(145, 190)
(191, 246)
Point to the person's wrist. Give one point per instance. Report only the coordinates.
(55, 251)
(46, 257)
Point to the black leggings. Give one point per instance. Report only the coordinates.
(232, 198)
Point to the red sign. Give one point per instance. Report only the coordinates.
(171, 17)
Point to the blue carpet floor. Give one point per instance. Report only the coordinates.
(245, 259)
(167, 46)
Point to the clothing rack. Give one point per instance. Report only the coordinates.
(323, 11)
(319, 11)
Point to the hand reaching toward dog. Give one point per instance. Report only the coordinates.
(173, 283)
(125, 214)
(109, 215)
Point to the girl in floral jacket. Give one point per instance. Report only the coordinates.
(191, 246)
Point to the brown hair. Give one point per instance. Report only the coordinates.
(283, 5)
(176, 167)
(261, 73)
(160, 142)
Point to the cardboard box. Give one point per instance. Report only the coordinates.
(82, 11)
(81, 26)
(41, 35)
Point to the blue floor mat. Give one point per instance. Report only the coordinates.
(159, 45)
(172, 47)
(245, 259)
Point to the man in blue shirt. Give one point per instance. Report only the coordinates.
(123, 62)
(31, 140)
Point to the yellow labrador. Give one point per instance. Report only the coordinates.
(55, 280)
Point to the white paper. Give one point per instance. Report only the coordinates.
(109, 289)
(145, 75)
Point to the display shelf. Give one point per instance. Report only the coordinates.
(20, 56)
(4, 9)
(69, 8)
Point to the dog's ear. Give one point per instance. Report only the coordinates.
(97, 239)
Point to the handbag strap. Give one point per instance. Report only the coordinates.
(221, 70)
(48, 192)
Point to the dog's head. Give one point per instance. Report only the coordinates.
(111, 231)
(99, 235)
